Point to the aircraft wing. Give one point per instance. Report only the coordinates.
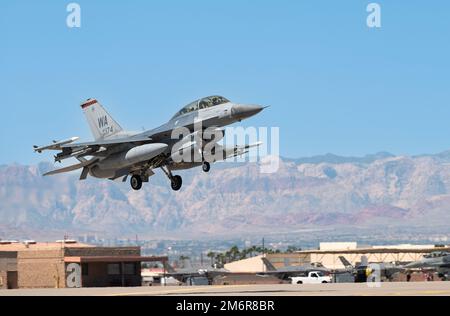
(91, 148)
(70, 149)
(109, 142)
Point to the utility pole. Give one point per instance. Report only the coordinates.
(263, 255)
(264, 249)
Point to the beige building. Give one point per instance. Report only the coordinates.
(69, 264)
(249, 265)
(8, 270)
(328, 256)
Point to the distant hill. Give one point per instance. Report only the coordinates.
(334, 159)
(380, 189)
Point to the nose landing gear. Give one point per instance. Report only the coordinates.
(175, 181)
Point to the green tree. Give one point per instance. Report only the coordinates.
(212, 256)
(291, 249)
(220, 259)
(234, 253)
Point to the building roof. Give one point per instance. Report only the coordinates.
(375, 250)
(338, 245)
(41, 246)
(86, 259)
(248, 265)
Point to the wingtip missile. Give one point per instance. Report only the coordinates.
(56, 145)
(68, 141)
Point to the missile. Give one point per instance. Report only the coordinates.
(69, 153)
(56, 145)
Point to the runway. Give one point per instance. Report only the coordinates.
(337, 289)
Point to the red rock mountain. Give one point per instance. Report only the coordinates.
(233, 199)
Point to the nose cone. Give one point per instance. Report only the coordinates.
(243, 111)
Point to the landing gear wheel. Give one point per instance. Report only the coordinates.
(206, 166)
(176, 183)
(136, 182)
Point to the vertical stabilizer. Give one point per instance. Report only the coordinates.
(345, 262)
(101, 123)
(268, 264)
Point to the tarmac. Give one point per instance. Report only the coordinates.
(335, 289)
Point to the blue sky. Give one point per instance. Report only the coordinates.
(333, 84)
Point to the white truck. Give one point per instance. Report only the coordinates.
(312, 277)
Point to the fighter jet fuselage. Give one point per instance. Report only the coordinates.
(116, 153)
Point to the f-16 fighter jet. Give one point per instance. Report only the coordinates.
(189, 139)
(438, 261)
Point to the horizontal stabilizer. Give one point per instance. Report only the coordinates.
(72, 168)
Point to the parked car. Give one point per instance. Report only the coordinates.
(312, 277)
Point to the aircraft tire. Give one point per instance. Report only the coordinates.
(136, 182)
(176, 183)
(206, 166)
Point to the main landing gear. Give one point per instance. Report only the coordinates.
(136, 182)
(206, 166)
(175, 181)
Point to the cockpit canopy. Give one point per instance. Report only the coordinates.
(202, 104)
(437, 254)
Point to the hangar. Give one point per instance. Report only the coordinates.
(327, 255)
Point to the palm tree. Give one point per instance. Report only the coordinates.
(252, 250)
(228, 256)
(234, 252)
(220, 259)
(244, 253)
(212, 256)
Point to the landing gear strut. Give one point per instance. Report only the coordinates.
(175, 181)
(136, 182)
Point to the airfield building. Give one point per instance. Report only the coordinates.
(328, 256)
(69, 264)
